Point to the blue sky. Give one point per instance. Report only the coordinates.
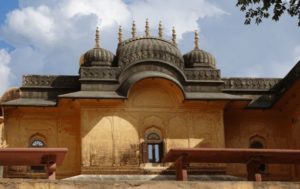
(48, 37)
(5, 7)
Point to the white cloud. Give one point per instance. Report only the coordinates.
(108, 12)
(49, 36)
(33, 24)
(182, 15)
(4, 70)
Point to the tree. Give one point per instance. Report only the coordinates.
(259, 9)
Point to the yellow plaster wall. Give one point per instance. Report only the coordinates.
(272, 125)
(106, 134)
(1, 131)
(112, 132)
(60, 126)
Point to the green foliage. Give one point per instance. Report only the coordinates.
(259, 9)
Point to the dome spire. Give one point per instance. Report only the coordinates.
(173, 35)
(97, 38)
(133, 30)
(196, 40)
(147, 29)
(120, 33)
(160, 30)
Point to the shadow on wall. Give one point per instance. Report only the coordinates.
(113, 133)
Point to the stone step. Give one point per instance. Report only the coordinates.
(86, 177)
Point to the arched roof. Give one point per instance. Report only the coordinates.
(130, 81)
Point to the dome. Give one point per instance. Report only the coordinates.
(148, 48)
(10, 94)
(199, 58)
(98, 57)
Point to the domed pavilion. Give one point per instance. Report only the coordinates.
(126, 109)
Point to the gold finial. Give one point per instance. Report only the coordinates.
(147, 31)
(133, 30)
(97, 39)
(173, 35)
(196, 40)
(120, 34)
(160, 30)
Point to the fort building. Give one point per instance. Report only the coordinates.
(123, 112)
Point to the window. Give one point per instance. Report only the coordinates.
(258, 142)
(37, 141)
(154, 152)
(153, 146)
(153, 136)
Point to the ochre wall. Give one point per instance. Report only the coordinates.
(1, 131)
(113, 131)
(59, 125)
(272, 125)
(104, 136)
(295, 139)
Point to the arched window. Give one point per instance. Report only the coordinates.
(153, 146)
(37, 141)
(256, 144)
(257, 141)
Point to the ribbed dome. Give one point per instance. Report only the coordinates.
(148, 48)
(199, 58)
(98, 57)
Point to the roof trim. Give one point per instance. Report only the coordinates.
(93, 95)
(214, 96)
(29, 102)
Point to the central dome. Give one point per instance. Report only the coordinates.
(148, 49)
